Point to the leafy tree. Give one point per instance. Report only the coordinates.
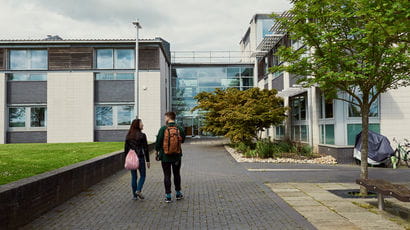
(358, 50)
(240, 115)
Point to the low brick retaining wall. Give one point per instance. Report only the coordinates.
(342, 154)
(24, 200)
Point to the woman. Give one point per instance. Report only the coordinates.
(137, 141)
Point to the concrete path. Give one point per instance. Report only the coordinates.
(220, 194)
(326, 210)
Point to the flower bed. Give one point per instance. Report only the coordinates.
(317, 159)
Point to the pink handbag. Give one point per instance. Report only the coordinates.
(131, 161)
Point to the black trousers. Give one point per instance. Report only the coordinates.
(176, 168)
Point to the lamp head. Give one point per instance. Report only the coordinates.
(137, 24)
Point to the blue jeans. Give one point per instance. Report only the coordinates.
(134, 177)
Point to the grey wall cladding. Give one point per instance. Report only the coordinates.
(277, 83)
(110, 135)
(114, 91)
(343, 155)
(24, 92)
(27, 137)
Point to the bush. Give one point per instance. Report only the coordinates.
(251, 154)
(242, 147)
(268, 149)
(265, 148)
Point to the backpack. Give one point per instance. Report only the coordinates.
(172, 140)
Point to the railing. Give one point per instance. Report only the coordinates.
(205, 57)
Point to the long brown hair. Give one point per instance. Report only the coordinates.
(135, 130)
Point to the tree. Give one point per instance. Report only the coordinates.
(358, 48)
(240, 115)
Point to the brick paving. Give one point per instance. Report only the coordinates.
(219, 194)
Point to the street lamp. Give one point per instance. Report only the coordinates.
(137, 25)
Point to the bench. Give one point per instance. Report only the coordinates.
(384, 188)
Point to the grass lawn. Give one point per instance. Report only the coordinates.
(19, 161)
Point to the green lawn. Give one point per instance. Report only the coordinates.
(19, 161)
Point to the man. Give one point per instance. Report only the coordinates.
(169, 152)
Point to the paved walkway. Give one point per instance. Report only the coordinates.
(328, 211)
(220, 194)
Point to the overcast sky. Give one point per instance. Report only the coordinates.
(186, 24)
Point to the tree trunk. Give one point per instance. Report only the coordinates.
(364, 172)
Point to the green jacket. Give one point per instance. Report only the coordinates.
(159, 144)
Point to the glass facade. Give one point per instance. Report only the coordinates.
(27, 77)
(187, 82)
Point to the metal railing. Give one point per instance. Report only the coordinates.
(205, 57)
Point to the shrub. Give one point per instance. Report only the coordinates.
(251, 154)
(265, 148)
(242, 147)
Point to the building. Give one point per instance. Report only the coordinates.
(328, 126)
(57, 90)
(195, 72)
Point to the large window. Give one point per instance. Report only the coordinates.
(326, 107)
(115, 59)
(327, 134)
(298, 107)
(114, 116)
(114, 76)
(354, 129)
(27, 77)
(300, 133)
(27, 117)
(28, 59)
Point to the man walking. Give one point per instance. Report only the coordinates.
(169, 152)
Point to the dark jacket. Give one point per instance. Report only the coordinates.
(160, 141)
(139, 145)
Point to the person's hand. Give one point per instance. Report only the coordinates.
(157, 156)
(148, 165)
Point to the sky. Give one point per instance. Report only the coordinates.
(186, 24)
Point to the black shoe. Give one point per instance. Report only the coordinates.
(168, 200)
(179, 196)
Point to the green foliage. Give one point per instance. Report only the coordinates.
(358, 48)
(265, 148)
(24, 160)
(240, 115)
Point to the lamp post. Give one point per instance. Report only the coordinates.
(137, 25)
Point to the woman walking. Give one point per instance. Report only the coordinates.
(137, 141)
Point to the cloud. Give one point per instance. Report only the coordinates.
(186, 24)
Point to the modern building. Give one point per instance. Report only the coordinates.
(197, 72)
(57, 90)
(329, 126)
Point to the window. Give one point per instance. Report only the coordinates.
(114, 76)
(17, 117)
(298, 107)
(27, 117)
(354, 129)
(247, 72)
(117, 116)
(38, 117)
(326, 107)
(27, 77)
(327, 134)
(234, 72)
(280, 131)
(115, 59)
(28, 59)
(354, 110)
